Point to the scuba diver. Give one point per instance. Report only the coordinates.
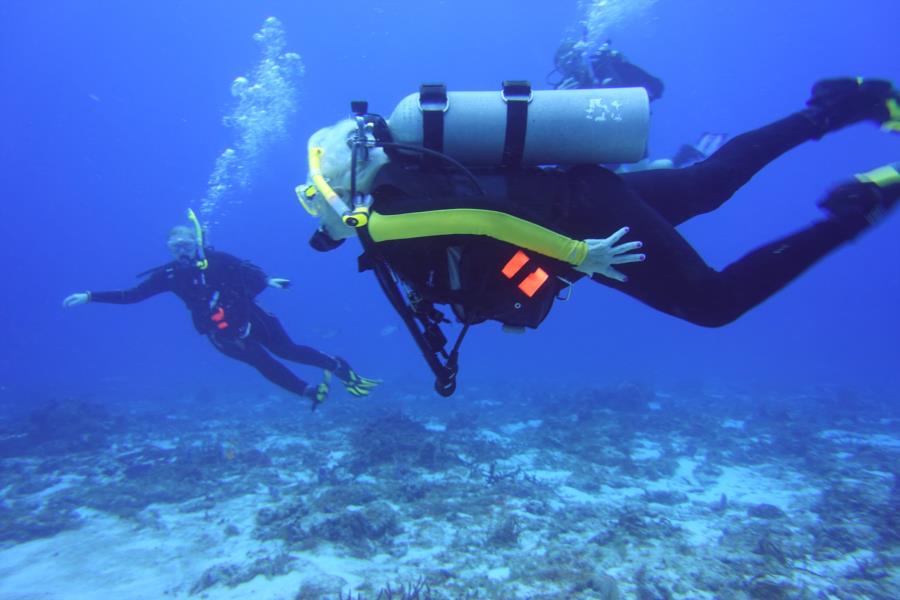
(583, 65)
(503, 243)
(220, 290)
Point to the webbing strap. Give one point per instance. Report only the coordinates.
(517, 95)
(433, 103)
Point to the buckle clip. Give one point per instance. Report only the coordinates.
(433, 97)
(565, 294)
(517, 91)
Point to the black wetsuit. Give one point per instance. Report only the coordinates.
(222, 305)
(610, 69)
(591, 202)
(605, 68)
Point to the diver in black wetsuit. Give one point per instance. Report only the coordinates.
(583, 65)
(504, 250)
(220, 290)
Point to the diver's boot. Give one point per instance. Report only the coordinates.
(837, 103)
(865, 200)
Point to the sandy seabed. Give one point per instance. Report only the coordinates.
(626, 492)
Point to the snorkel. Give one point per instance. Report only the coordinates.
(201, 263)
(320, 186)
(321, 240)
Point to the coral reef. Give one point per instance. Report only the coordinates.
(628, 493)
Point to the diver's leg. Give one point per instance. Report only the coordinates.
(674, 278)
(834, 104)
(268, 331)
(680, 194)
(251, 352)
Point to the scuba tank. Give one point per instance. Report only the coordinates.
(518, 126)
(512, 128)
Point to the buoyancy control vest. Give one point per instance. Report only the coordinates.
(219, 296)
(481, 278)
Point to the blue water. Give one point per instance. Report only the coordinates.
(112, 120)
(586, 454)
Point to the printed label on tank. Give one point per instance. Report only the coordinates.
(601, 110)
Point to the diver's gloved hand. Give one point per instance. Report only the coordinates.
(319, 393)
(76, 299)
(603, 254)
(836, 103)
(354, 383)
(278, 282)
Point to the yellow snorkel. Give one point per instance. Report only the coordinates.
(320, 186)
(202, 263)
(358, 217)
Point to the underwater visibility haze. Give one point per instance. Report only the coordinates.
(615, 452)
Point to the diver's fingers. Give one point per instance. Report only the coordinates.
(627, 247)
(611, 240)
(627, 258)
(611, 273)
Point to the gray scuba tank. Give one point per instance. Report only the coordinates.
(560, 127)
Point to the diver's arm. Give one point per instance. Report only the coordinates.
(474, 221)
(632, 75)
(153, 285)
(241, 274)
(254, 278)
(593, 256)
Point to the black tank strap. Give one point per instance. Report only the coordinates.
(517, 95)
(433, 103)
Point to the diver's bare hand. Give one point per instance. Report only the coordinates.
(604, 253)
